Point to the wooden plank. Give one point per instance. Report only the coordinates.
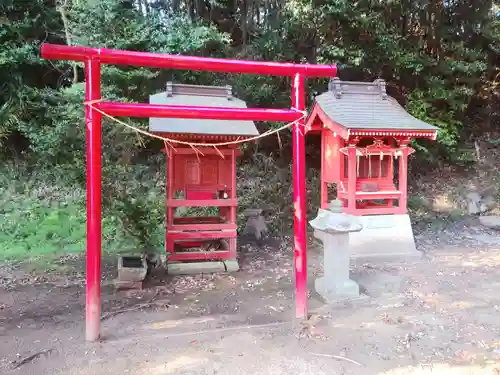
(202, 202)
(206, 151)
(201, 235)
(374, 211)
(197, 219)
(200, 255)
(201, 227)
(373, 194)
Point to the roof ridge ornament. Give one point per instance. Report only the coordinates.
(335, 86)
(169, 89)
(382, 87)
(174, 89)
(229, 92)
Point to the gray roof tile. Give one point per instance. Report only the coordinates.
(362, 105)
(194, 95)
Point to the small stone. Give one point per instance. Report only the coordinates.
(487, 203)
(256, 226)
(473, 203)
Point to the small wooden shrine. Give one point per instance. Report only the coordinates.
(365, 133)
(200, 177)
(365, 144)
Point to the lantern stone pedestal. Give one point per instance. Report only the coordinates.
(132, 271)
(333, 228)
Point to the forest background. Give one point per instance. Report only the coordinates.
(441, 60)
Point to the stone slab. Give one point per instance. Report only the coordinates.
(126, 285)
(384, 238)
(490, 221)
(195, 268)
(376, 282)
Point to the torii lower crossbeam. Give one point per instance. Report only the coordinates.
(94, 57)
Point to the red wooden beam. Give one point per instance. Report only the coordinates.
(193, 112)
(163, 60)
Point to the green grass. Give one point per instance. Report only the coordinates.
(41, 221)
(31, 228)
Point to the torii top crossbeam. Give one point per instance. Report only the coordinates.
(94, 57)
(163, 60)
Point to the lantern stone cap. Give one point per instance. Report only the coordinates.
(332, 221)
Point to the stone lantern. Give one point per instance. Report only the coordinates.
(333, 228)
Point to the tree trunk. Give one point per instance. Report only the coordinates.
(61, 8)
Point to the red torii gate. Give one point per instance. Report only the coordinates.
(94, 57)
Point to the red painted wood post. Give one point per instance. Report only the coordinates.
(403, 180)
(233, 242)
(170, 212)
(93, 135)
(323, 184)
(299, 198)
(352, 171)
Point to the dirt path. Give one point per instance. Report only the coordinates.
(440, 315)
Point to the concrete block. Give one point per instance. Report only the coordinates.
(343, 289)
(195, 268)
(384, 238)
(132, 268)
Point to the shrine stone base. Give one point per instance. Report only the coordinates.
(345, 289)
(195, 268)
(384, 238)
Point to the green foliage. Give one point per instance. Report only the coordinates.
(22, 26)
(440, 61)
(41, 214)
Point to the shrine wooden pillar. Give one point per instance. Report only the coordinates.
(232, 195)
(332, 163)
(323, 174)
(170, 211)
(403, 178)
(351, 178)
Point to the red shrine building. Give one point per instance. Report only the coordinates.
(201, 196)
(365, 145)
